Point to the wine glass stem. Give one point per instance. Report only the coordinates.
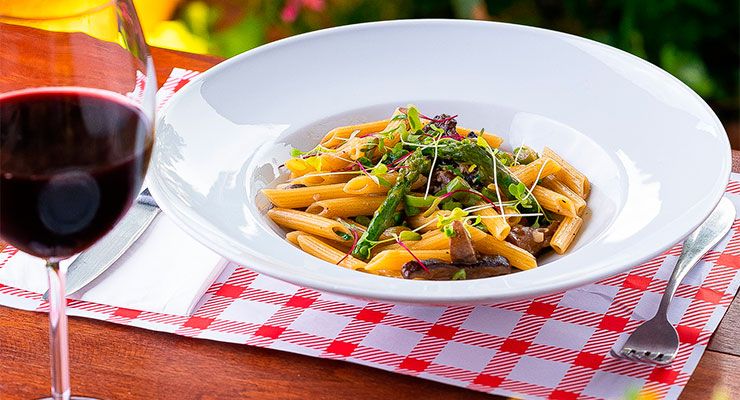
(58, 332)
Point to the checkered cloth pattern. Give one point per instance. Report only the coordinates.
(553, 346)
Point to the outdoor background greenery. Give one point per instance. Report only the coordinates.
(695, 40)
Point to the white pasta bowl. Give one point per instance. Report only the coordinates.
(657, 156)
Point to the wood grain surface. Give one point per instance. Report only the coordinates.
(118, 362)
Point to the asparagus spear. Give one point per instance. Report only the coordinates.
(469, 152)
(383, 217)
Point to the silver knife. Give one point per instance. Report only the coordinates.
(98, 258)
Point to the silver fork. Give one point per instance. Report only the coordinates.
(656, 340)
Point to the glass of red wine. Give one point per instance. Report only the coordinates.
(77, 94)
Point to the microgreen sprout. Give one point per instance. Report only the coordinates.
(435, 204)
(400, 243)
(355, 239)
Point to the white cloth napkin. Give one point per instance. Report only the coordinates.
(164, 271)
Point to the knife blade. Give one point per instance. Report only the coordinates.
(98, 258)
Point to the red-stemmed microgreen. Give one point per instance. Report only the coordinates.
(438, 120)
(355, 239)
(403, 246)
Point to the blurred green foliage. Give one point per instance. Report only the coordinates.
(695, 40)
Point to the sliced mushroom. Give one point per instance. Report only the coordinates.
(461, 247)
(438, 270)
(440, 178)
(533, 240)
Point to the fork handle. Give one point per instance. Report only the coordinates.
(696, 245)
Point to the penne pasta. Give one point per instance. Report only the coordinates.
(320, 249)
(339, 206)
(497, 225)
(566, 232)
(292, 236)
(512, 215)
(541, 167)
(325, 162)
(517, 257)
(323, 178)
(310, 223)
(346, 206)
(393, 260)
(515, 168)
(553, 201)
(552, 183)
(303, 197)
(364, 184)
(431, 240)
(490, 138)
(356, 147)
(338, 136)
(387, 234)
(426, 223)
(569, 175)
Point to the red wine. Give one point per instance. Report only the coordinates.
(71, 162)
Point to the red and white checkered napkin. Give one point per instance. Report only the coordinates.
(554, 346)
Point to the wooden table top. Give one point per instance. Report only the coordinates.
(111, 361)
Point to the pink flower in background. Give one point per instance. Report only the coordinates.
(293, 7)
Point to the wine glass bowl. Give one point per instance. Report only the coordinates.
(77, 95)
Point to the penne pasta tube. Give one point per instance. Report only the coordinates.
(541, 167)
(292, 236)
(396, 120)
(356, 147)
(490, 138)
(324, 162)
(431, 240)
(494, 222)
(346, 206)
(364, 184)
(323, 178)
(566, 232)
(489, 245)
(552, 183)
(428, 223)
(338, 136)
(305, 196)
(512, 215)
(515, 168)
(320, 249)
(393, 260)
(553, 201)
(569, 175)
(387, 234)
(310, 223)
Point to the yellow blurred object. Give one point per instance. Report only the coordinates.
(174, 35)
(65, 16)
(38, 9)
(647, 394)
(152, 13)
(90, 16)
(721, 393)
(160, 31)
